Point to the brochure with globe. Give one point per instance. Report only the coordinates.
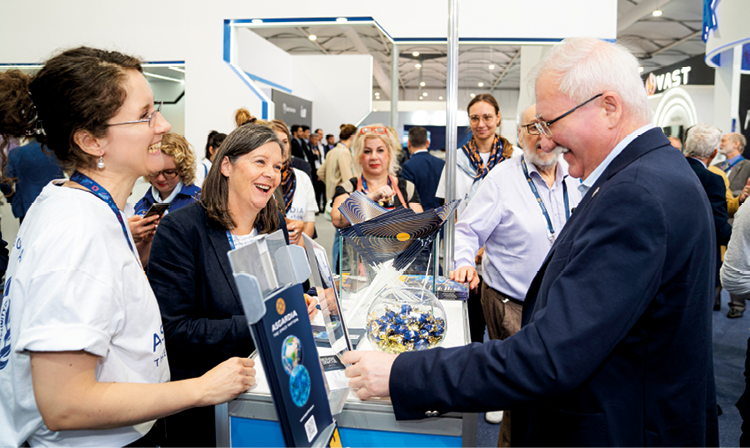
(283, 336)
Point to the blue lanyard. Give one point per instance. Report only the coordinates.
(550, 229)
(364, 183)
(87, 182)
(729, 167)
(231, 240)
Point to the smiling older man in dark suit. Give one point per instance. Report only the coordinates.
(615, 347)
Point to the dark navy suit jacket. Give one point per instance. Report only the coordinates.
(424, 170)
(33, 169)
(204, 322)
(615, 347)
(716, 191)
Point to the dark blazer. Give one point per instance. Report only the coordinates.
(32, 168)
(615, 347)
(738, 177)
(424, 170)
(716, 191)
(203, 320)
(298, 148)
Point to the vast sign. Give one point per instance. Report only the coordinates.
(693, 71)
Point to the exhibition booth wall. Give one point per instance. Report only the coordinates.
(195, 34)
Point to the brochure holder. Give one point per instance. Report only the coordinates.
(268, 275)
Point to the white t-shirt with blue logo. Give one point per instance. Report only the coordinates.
(304, 204)
(74, 284)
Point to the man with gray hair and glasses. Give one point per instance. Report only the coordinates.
(701, 147)
(615, 345)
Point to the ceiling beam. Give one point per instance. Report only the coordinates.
(313, 41)
(672, 45)
(644, 9)
(383, 80)
(505, 70)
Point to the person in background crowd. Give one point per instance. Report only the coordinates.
(173, 184)
(27, 170)
(190, 272)
(336, 170)
(422, 169)
(78, 297)
(675, 141)
(701, 146)
(320, 186)
(213, 142)
(375, 157)
(615, 345)
(517, 213)
(474, 161)
(297, 190)
(736, 167)
(735, 279)
(330, 144)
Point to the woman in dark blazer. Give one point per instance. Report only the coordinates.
(190, 273)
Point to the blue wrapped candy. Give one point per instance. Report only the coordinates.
(411, 335)
(405, 309)
(421, 345)
(439, 330)
(390, 315)
(401, 329)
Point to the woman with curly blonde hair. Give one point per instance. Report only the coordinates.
(174, 183)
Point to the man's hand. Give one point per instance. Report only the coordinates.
(369, 373)
(745, 192)
(466, 274)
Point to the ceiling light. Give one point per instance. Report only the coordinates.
(480, 84)
(472, 95)
(312, 37)
(342, 19)
(166, 78)
(417, 65)
(440, 98)
(422, 84)
(415, 54)
(424, 93)
(257, 21)
(420, 98)
(374, 110)
(640, 69)
(657, 13)
(492, 66)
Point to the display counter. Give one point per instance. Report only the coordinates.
(250, 420)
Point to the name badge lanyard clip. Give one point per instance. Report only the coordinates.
(550, 229)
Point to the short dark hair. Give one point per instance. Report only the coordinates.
(215, 138)
(418, 137)
(79, 89)
(316, 131)
(305, 127)
(215, 193)
(295, 128)
(329, 136)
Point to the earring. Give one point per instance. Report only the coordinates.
(100, 165)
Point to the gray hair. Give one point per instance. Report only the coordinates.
(702, 140)
(736, 137)
(585, 67)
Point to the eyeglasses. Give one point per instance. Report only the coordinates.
(488, 119)
(543, 127)
(168, 174)
(373, 129)
(150, 119)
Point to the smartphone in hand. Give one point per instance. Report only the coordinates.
(158, 208)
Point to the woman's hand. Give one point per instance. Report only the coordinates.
(226, 381)
(295, 230)
(384, 192)
(143, 229)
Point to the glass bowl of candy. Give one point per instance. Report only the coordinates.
(406, 319)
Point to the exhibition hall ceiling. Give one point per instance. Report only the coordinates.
(656, 41)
